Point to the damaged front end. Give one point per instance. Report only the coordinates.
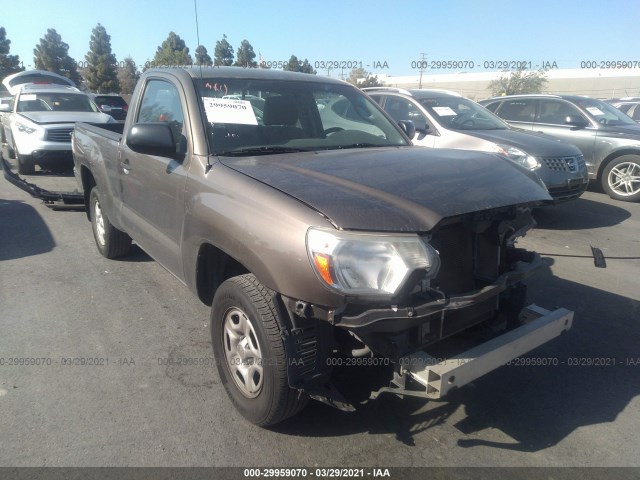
(474, 297)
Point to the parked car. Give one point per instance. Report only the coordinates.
(38, 129)
(13, 82)
(445, 119)
(315, 242)
(629, 108)
(114, 105)
(608, 139)
(5, 109)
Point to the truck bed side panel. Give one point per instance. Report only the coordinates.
(96, 148)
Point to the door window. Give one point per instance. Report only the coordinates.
(161, 103)
(555, 112)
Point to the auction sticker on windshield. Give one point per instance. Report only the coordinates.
(221, 110)
(595, 111)
(444, 111)
(28, 97)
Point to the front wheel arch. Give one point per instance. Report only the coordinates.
(246, 325)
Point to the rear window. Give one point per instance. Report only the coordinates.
(111, 101)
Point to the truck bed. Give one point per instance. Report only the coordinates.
(112, 131)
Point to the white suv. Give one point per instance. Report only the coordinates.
(38, 129)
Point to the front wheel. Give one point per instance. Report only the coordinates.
(250, 353)
(111, 242)
(621, 178)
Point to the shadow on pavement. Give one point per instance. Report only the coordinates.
(537, 406)
(580, 214)
(24, 232)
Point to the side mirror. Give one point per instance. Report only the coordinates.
(5, 108)
(575, 121)
(408, 127)
(105, 108)
(152, 139)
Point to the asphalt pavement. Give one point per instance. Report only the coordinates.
(89, 373)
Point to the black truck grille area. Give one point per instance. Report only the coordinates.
(62, 135)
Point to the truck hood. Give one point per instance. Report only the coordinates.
(404, 189)
(44, 118)
(536, 144)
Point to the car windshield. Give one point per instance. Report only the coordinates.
(458, 113)
(59, 102)
(605, 113)
(261, 117)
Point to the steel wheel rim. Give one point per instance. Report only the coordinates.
(624, 179)
(242, 352)
(100, 231)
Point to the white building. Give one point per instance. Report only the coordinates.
(595, 82)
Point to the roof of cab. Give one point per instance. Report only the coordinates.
(240, 72)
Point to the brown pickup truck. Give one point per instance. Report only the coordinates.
(323, 241)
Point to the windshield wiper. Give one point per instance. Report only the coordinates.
(363, 145)
(261, 151)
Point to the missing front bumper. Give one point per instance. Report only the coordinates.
(440, 377)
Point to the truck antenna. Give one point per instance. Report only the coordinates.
(195, 8)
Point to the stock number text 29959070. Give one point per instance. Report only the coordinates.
(482, 64)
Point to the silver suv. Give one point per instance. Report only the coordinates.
(445, 119)
(608, 139)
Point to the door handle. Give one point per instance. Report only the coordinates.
(126, 166)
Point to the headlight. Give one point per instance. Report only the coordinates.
(367, 263)
(518, 156)
(24, 128)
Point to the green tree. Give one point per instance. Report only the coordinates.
(128, 76)
(370, 81)
(52, 54)
(518, 82)
(8, 63)
(361, 78)
(202, 56)
(246, 56)
(223, 54)
(295, 65)
(101, 73)
(173, 51)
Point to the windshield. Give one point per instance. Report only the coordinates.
(605, 113)
(59, 102)
(458, 113)
(249, 117)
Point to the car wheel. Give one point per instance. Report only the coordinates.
(621, 178)
(111, 242)
(25, 165)
(250, 353)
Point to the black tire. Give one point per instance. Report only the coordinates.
(25, 165)
(111, 242)
(621, 178)
(238, 302)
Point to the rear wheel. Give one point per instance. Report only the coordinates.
(111, 242)
(621, 178)
(250, 353)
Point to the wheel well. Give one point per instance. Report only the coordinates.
(87, 184)
(214, 267)
(613, 156)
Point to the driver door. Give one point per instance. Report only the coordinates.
(153, 186)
